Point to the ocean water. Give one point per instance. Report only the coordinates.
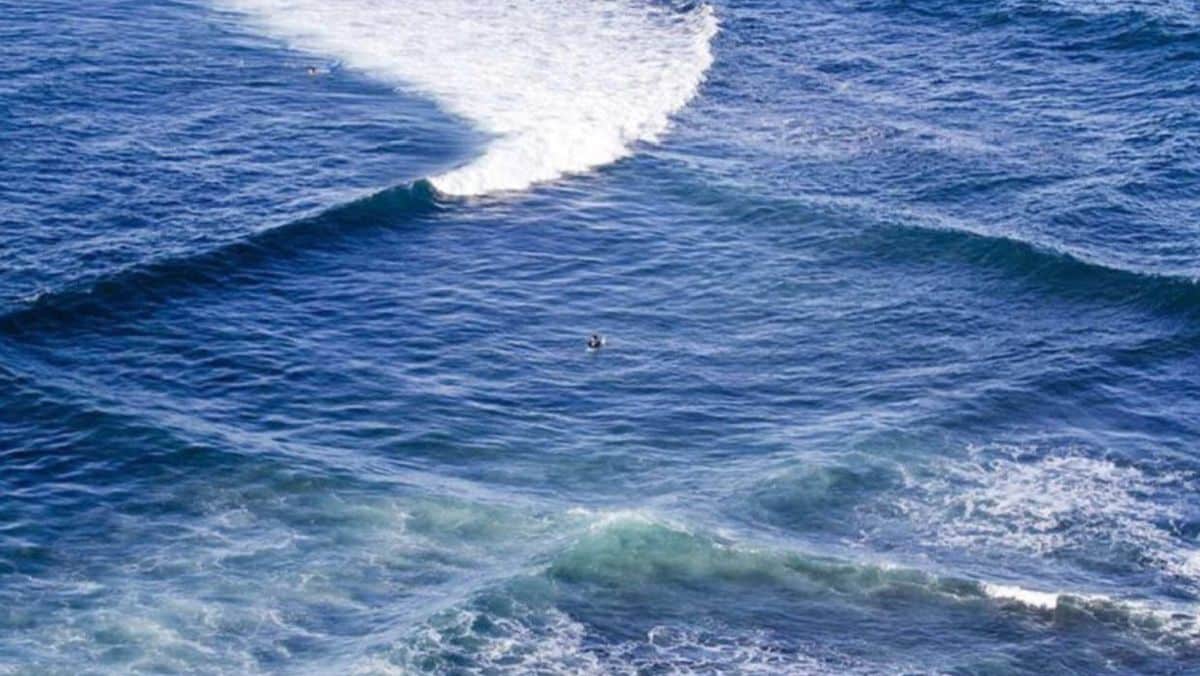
(902, 303)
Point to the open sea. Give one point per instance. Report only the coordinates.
(901, 300)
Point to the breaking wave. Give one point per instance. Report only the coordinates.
(1095, 512)
(553, 621)
(562, 87)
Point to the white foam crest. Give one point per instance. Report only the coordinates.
(563, 87)
(598, 520)
(1176, 621)
(1028, 597)
(1060, 505)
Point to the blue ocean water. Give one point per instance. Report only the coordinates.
(902, 303)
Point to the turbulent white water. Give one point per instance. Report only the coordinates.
(563, 87)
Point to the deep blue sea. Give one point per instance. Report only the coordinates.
(901, 300)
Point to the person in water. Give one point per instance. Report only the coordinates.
(595, 342)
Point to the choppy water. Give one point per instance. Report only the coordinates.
(903, 371)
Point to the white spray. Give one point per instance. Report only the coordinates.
(562, 86)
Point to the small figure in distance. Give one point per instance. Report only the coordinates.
(595, 342)
(312, 70)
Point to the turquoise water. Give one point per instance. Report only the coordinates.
(902, 315)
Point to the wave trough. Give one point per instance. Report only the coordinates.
(561, 87)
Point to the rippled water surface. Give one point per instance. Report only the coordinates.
(901, 299)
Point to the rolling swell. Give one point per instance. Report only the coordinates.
(141, 286)
(1117, 25)
(920, 237)
(1049, 269)
(1124, 24)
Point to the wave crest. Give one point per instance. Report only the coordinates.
(144, 285)
(563, 87)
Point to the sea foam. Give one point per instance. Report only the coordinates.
(561, 87)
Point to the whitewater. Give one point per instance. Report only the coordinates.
(561, 87)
